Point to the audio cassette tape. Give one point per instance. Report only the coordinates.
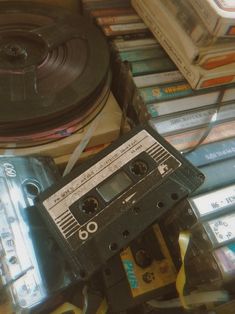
(143, 271)
(105, 203)
(31, 264)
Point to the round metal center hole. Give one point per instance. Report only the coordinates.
(14, 50)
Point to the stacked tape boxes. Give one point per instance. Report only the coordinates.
(205, 59)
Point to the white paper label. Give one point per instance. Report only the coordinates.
(223, 228)
(214, 201)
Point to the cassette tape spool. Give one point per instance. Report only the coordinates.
(103, 205)
(32, 266)
(54, 72)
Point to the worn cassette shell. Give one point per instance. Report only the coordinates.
(32, 266)
(143, 271)
(123, 190)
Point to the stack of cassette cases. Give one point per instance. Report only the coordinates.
(210, 218)
(211, 260)
(218, 16)
(149, 86)
(204, 59)
(33, 268)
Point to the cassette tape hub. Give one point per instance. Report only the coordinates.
(32, 266)
(103, 205)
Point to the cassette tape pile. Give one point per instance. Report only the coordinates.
(109, 203)
(210, 218)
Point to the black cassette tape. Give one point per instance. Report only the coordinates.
(103, 205)
(143, 271)
(32, 266)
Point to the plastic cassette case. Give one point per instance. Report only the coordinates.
(32, 266)
(105, 203)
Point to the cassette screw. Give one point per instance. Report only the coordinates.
(174, 196)
(148, 277)
(136, 210)
(125, 233)
(113, 246)
(160, 204)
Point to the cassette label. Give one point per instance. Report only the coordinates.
(58, 205)
(223, 228)
(216, 201)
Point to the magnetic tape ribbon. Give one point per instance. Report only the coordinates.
(82, 145)
(184, 239)
(79, 149)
